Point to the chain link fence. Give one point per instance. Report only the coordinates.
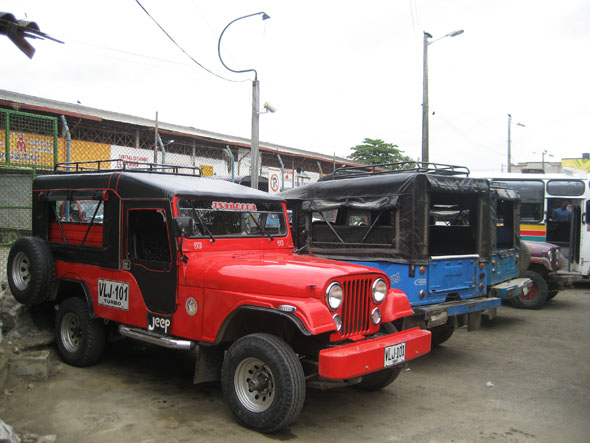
(28, 146)
(32, 144)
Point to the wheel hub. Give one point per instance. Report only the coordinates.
(254, 384)
(21, 271)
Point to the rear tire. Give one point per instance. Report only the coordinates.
(263, 382)
(80, 339)
(31, 270)
(381, 379)
(537, 295)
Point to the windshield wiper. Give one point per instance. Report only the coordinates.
(270, 237)
(202, 222)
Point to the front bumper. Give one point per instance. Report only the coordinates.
(363, 357)
(563, 278)
(512, 288)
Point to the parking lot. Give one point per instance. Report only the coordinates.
(525, 376)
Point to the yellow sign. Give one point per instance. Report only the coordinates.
(27, 149)
(577, 163)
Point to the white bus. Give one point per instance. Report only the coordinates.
(555, 208)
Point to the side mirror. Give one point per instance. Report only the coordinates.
(184, 226)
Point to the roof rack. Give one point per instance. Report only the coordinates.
(400, 167)
(125, 165)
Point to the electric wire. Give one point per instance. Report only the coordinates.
(463, 134)
(182, 49)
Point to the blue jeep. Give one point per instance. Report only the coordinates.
(427, 227)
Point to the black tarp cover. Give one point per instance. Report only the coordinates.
(410, 192)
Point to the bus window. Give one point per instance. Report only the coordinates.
(531, 196)
(565, 187)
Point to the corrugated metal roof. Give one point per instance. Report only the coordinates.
(58, 107)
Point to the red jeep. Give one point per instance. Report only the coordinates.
(206, 265)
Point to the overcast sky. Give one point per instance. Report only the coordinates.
(336, 71)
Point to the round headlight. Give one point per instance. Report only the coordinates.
(379, 290)
(334, 296)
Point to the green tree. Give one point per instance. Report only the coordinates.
(376, 151)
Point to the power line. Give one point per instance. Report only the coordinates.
(466, 136)
(180, 47)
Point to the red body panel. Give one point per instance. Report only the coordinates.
(360, 358)
(75, 232)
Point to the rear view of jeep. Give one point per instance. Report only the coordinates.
(161, 255)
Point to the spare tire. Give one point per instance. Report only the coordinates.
(31, 270)
(525, 258)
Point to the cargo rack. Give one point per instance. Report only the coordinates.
(401, 167)
(125, 165)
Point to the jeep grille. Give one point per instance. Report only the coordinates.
(356, 307)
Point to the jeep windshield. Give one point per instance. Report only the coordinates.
(214, 219)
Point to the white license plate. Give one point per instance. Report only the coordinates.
(395, 354)
(114, 294)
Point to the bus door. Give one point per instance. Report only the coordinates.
(565, 206)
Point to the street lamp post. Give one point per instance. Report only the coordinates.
(509, 142)
(425, 135)
(543, 154)
(255, 103)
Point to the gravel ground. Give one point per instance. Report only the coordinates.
(524, 377)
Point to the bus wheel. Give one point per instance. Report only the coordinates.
(537, 295)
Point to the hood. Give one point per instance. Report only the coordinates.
(268, 273)
(537, 247)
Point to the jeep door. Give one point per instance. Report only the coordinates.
(148, 252)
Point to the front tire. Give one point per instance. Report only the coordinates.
(537, 295)
(441, 334)
(263, 382)
(80, 339)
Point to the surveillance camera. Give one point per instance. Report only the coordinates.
(269, 108)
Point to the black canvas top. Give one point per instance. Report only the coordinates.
(411, 192)
(149, 185)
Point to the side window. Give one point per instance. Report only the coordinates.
(531, 197)
(77, 222)
(80, 211)
(358, 218)
(148, 236)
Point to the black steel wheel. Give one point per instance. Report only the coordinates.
(80, 339)
(263, 382)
